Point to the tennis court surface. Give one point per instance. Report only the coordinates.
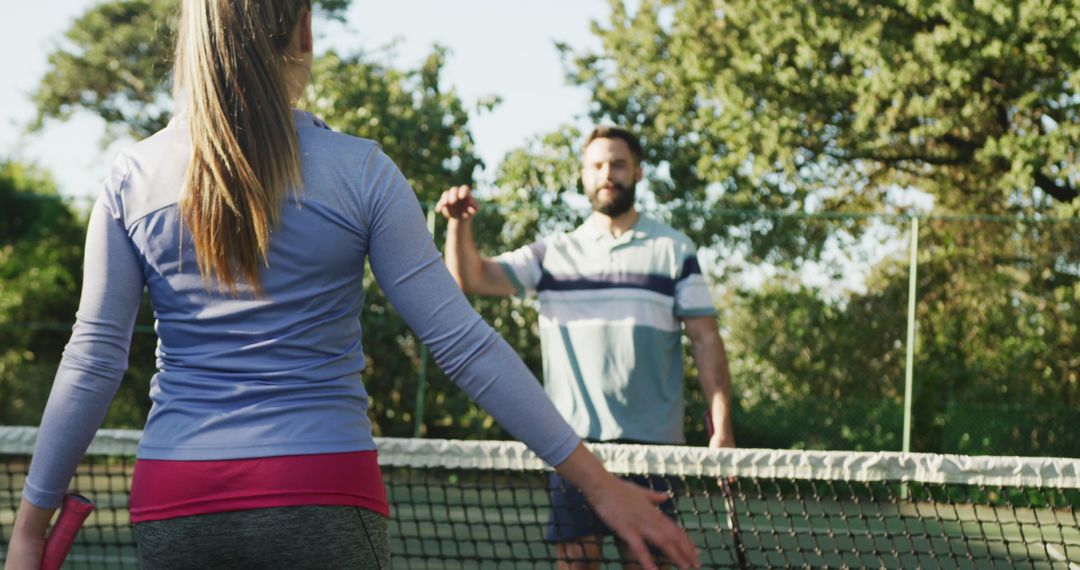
(484, 505)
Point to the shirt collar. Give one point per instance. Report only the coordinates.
(305, 119)
(640, 230)
(300, 118)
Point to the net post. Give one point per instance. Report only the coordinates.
(909, 367)
(421, 375)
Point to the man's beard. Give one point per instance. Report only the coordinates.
(622, 199)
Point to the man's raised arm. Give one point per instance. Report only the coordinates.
(474, 274)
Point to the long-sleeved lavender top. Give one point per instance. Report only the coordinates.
(241, 376)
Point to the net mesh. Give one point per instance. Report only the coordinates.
(485, 505)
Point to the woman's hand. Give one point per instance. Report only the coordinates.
(630, 512)
(27, 542)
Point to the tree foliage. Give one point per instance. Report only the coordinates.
(994, 365)
(40, 275)
(744, 106)
(851, 106)
(774, 102)
(40, 268)
(418, 120)
(115, 62)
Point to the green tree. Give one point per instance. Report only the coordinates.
(852, 106)
(997, 320)
(994, 367)
(773, 102)
(115, 62)
(41, 250)
(418, 120)
(40, 253)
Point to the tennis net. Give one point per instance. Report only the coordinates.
(462, 504)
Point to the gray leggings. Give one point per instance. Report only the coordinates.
(279, 537)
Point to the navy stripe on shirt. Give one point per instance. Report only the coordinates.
(690, 267)
(655, 283)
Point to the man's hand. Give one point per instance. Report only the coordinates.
(719, 440)
(713, 375)
(457, 203)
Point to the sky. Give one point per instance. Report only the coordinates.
(498, 47)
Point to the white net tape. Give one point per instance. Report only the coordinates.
(1059, 473)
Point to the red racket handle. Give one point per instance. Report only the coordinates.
(72, 515)
(708, 425)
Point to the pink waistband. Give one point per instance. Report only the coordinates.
(168, 489)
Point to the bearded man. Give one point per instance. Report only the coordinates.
(615, 296)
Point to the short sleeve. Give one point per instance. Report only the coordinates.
(524, 267)
(693, 296)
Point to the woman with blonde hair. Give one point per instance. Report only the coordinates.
(249, 223)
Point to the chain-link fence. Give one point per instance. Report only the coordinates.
(820, 344)
(816, 313)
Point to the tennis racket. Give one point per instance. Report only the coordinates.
(729, 501)
(72, 515)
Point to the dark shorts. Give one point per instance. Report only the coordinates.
(571, 517)
(279, 537)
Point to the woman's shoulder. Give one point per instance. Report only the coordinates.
(149, 174)
(313, 131)
(326, 152)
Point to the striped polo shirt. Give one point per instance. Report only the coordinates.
(610, 329)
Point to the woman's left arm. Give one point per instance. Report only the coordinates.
(89, 374)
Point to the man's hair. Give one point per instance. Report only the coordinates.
(613, 132)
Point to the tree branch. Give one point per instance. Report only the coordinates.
(1060, 192)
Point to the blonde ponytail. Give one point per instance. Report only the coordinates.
(230, 60)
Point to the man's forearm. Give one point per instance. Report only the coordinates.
(714, 375)
(462, 258)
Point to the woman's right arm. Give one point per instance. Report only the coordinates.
(410, 271)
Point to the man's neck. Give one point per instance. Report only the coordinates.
(617, 225)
